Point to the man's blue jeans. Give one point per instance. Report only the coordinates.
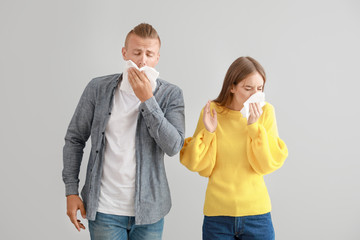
(258, 227)
(111, 227)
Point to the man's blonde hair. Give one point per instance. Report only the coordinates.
(143, 30)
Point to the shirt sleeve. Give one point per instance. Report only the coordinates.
(265, 150)
(76, 136)
(168, 130)
(199, 151)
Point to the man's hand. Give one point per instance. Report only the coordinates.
(74, 203)
(140, 84)
(255, 112)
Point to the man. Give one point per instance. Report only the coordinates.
(126, 194)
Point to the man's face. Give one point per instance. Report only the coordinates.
(142, 51)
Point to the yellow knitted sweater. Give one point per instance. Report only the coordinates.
(234, 158)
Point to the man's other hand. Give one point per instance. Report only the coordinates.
(74, 203)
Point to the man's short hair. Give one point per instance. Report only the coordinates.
(143, 30)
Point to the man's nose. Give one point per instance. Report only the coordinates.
(142, 61)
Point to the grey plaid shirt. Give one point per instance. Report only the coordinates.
(160, 129)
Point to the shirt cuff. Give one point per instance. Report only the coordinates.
(149, 106)
(71, 189)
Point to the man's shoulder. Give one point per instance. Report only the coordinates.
(105, 80)
(168, 86)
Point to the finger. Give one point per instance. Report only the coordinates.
(214, 113)
(207, 107)
(206, 112)
(81, 225)
(257, 109)
(82, 211)
(131, 73)
(73, 219)
(131, 78)
(137, 74)
(251, 110)
(253, 105)
(143, 77)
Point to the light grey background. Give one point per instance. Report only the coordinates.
(310, 51)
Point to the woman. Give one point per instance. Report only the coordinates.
(235, 153)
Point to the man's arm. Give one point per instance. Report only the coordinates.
(77, 134)
(168, 130)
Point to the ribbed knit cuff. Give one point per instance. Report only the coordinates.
(253, 130)
(208, 137)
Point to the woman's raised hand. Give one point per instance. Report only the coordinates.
(255, 112)
(210, 121)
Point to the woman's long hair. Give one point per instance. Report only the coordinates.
(237, 72)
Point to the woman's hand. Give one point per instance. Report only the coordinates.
(255, 112)
(210, 122)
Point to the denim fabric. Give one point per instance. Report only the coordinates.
(160, 129)
(257, 227)
(114, 227)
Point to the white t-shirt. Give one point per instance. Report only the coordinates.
(117, 192)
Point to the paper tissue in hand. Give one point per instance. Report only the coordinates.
(150, 73)
(257, 97)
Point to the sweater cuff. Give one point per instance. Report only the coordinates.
(253, 130)
(149, 106)
(208, 137)
(71, 189)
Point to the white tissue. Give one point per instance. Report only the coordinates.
(150, 73)
(257, 97)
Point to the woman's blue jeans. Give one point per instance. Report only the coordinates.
(111, 227)
(258, 227)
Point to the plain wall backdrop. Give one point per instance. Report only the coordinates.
(50, 50)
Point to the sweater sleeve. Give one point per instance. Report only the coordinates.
(199, 152)
(265, 150)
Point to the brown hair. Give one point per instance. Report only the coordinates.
(237, 72)
(143, 30)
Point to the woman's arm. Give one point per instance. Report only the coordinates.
(265, 150)
(199, 152)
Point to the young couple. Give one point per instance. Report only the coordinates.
(126, 194)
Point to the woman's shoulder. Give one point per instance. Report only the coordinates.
(268, 110)
(216, 105)
(268, 107)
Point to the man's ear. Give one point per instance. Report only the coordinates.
(123, 51)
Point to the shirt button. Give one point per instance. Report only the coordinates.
(97, 151)
(142, 110)
(109, 113)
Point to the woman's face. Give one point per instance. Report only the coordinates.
(243, 90)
